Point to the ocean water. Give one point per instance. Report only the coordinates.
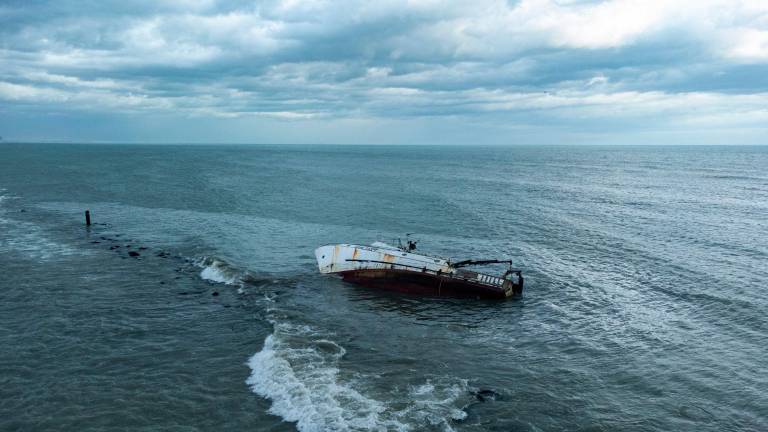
(644, 309)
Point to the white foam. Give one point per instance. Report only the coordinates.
(298, 370)
(304, 386)
(215, 275)
(218, 271)
(435, 404)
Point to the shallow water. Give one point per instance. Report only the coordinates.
(644, 307)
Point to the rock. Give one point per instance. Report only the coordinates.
(215, 293)
(485, 394)
(133, 253)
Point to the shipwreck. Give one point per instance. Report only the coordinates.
(400, 268)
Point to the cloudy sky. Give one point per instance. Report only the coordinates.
(418, 71)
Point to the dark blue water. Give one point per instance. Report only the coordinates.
(645, 303)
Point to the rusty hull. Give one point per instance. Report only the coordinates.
(427, 284)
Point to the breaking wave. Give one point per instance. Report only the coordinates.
(304, 385)
(298, 370)
(216, 270)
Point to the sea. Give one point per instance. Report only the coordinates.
(194, 302)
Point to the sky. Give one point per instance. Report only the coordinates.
(385, 72)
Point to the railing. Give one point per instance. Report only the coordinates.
(478, 278)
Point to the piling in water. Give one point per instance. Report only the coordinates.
(87, 218)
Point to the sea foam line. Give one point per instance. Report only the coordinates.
(298, 370)
(27, 238)
(304, 386)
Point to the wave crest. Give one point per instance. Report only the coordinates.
(304, 386)
(219, 271)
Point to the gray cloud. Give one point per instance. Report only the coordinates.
(538, 65)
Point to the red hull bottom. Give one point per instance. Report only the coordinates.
(427, 284)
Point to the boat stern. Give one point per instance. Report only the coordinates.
(326, 258)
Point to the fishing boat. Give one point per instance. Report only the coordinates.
(400, 268)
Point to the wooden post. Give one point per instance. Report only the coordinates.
(87, 218)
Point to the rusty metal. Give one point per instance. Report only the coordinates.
(400, 269)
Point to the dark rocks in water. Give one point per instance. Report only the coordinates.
(215, 293)
(162, 282)
(142, 248)
(486, 394)
(133, 253)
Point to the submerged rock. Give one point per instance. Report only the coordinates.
(485, 394)
(133, 253)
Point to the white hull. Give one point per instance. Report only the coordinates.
(348, 257)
